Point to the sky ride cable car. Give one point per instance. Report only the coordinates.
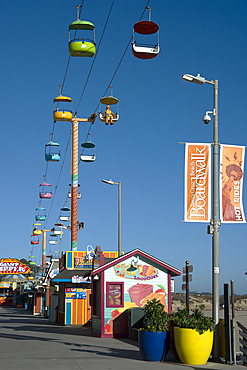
(34, 239)
(88, 151)
(37, 231)
(81, 47)
(78, 189)
(144, 51)
(40, 213)
(108, 116)
(53, 238)
(65, 213)
(60, 113)
(52, 151)
(45, 190)
(32, 259)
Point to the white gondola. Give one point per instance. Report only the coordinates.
(53, 239)
(88, 151)
(65, 213)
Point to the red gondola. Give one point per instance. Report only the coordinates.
(145, 51)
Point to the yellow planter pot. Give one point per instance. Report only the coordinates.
(193, 348)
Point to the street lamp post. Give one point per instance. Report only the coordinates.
(110, 182)
(215, 222)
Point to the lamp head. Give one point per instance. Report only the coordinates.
(110, 182)
(196, 79)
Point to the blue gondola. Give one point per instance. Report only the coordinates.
(52, 151)
(40, 213)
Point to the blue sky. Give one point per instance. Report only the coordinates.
(157, 110)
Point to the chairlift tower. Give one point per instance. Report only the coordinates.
(74, 175)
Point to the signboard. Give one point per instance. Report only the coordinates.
(53, 273)
(13, 266)
(83, 263)
(114, 294)
(75, 293)
(80, 279)
(190, 269)
(197, 205)
(231, 183)
(189, 278)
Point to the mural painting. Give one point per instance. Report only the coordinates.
(131, 284)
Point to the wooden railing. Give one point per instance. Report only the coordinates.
(243, 341)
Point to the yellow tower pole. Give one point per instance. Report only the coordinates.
(74, 175)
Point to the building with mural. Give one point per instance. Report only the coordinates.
(127, 283)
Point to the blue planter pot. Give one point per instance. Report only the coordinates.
(153, 345)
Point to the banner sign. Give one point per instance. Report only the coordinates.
(197, 207)
(231, 183)
(12, 266)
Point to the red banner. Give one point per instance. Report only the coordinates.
(197, 207)
(231, 183)
(13, 266)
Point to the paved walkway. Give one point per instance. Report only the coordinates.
(32, 343)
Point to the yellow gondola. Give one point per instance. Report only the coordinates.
(60, 113)
(108, 116)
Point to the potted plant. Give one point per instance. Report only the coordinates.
(193, 336)
(154, 337)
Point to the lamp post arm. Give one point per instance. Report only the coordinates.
(212, 82)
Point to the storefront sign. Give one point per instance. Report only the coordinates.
(53, 273)
(83, 263)
(75, 293)
(197, 206)
(231, 183)
(13, 266)
(80, 279)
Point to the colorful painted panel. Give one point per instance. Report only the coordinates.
(142, 282)
(77, 308)
(83, 260)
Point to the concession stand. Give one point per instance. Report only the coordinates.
(123, 285)
(74, 280)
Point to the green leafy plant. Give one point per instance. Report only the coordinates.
(156, 319)
(195, 320)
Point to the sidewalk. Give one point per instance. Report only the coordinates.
(31, 342)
